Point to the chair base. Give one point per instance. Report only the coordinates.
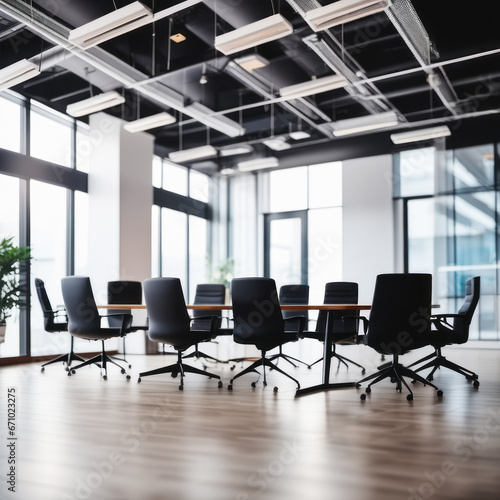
(65, 358)
(179, 368)
(101, 360)
(341, 359)
(286, 357)
(262, 362)
(397, 373)
(440, 361)
(199, 354)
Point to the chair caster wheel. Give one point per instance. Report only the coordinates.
(357, 386)
(105, 377)
(230, 387)
(128, 377)
(308, 367)
(363, 371)
(430, 378)
(139, 380)
(42, 369)
(440, 393)
(181, 388)
(69, 374)
(73, 372)
(254, 384)
(233, 367)
(264, 383)
(362, 397)
(413, 381)
(220, 385)
(476, 383)
(275, 389)
(123, 371)
(368, 390)
(409, 397)
(393, 380)
(129, 366)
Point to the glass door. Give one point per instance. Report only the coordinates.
(285, 247)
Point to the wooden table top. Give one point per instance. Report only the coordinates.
(229, 307)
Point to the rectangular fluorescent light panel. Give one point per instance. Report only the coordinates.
(218, 122)
(258, 163)
(364, 124)
(111, 25)
(314, 86)
(423, 134)
(17, 73)
(342, 12)
(251, 35)
(150, 122)
(277, 144)
(94, 104)
(251, 62)
(236, 150)
(192, 154)
(299, 134)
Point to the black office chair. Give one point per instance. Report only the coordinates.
(455, 332)
(258, 321)
(399, 322)
(84, 321)
(52, 324)
(169, 323)
(124, 292)
(207, 293)
(343, 324)
(291, 295)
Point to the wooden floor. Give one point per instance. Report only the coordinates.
(81, 437)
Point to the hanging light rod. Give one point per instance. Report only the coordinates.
(423, 134)
(150, 122)
(17, 73)
(94, 104)
(251, 35)
(192, 154)
(364, 123)
(314, 86)
(111, 25)
(343, 11)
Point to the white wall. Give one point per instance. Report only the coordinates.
(368, 222)
(120, 201)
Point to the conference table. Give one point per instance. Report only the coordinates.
(325, 384)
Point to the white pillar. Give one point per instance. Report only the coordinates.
(120, 200)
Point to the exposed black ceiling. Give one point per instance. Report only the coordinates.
(385, 73)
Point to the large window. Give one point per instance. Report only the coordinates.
(10, 125)
(450, 204)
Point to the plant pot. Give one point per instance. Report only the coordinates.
(3, 327)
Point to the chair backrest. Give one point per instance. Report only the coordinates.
(81, 309)
(48, 313)
(400, 312)
(257, 313)
(462, 323)
(169, 320)
(123, 292)
(340, 292)
(290, 295)
(208, 293)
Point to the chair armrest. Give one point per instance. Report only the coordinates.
(126, 322)
(441, 319)
(301, 320)
(213, 323)
(357, 317)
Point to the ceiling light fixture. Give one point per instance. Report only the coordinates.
(17, 73)
(178, 38)
(423, 134)
(251, 35)
(342, 12)
(226, 171)
(203, 78)
(251, 62)
(218, 122)
(115, 23)
(314, 86)
(149, 122)
(364, 123)
(277, 143)
(258, 164)
(94, 104)
(236, 150)
(192, 154)
(299, 134)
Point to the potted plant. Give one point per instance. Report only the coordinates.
(10, 289)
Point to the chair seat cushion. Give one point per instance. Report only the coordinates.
(98, 334)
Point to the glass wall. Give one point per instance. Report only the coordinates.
(450, 201)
